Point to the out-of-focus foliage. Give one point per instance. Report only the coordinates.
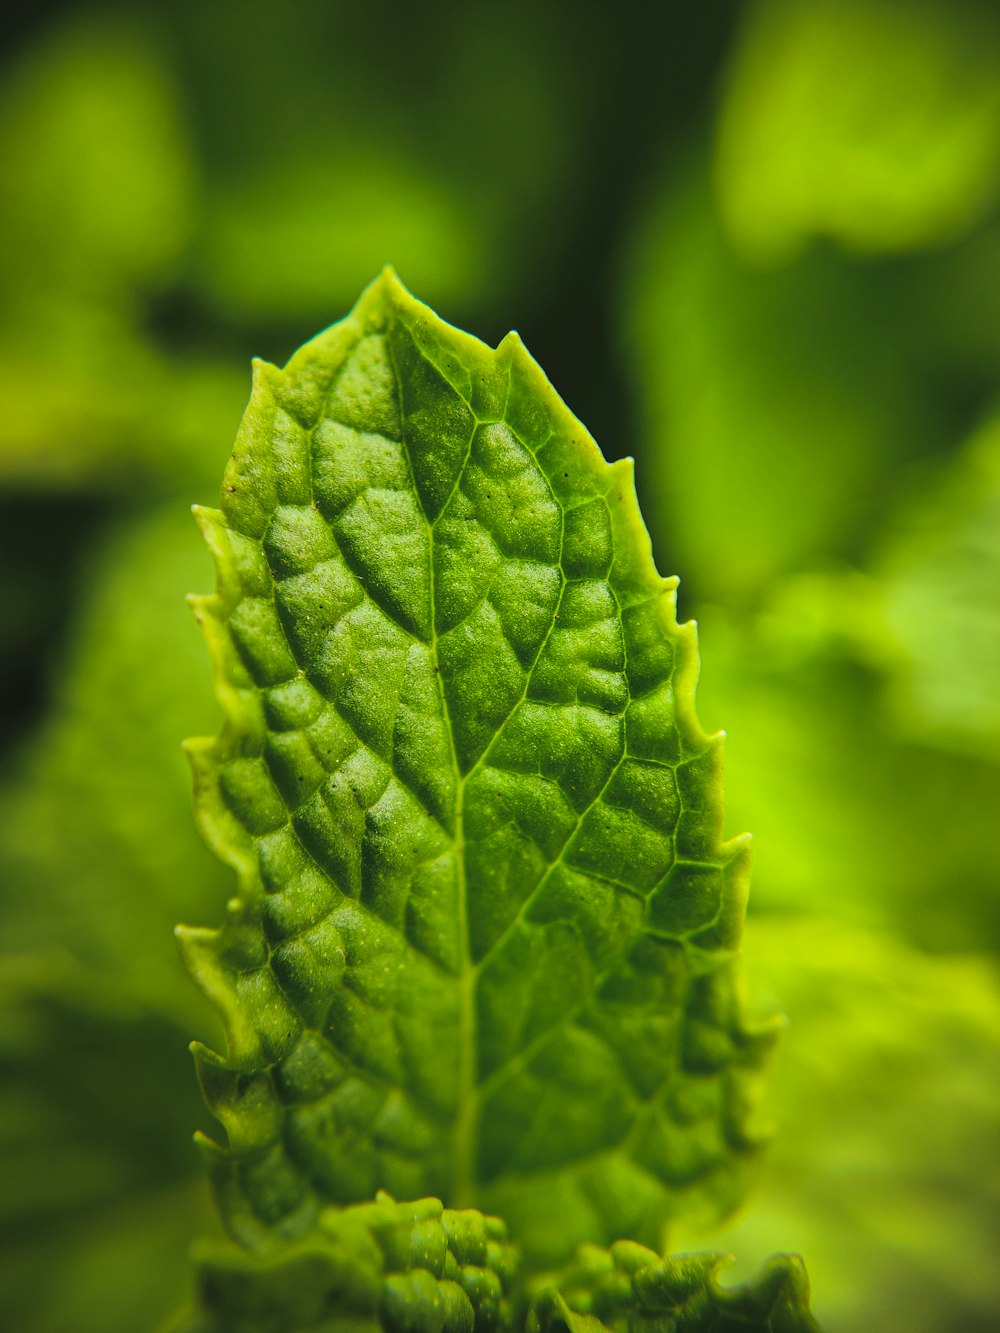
(100, 1189)
(849, 594)
(789, 211)
(97, 857)
(97, 205)
(937, 580)
(382, 166)
(783, 398)
(884, 1094)
(875, 122)
(98, 176)
(97, 847)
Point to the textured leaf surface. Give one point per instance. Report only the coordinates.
(388, 1267)
(483, 941)
(629, 1289)
(398, 1267)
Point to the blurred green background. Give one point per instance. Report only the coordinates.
(757, 245)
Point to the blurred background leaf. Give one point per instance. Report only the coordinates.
(875, 122)
(884, 1098)
(99, 860)
(758, 245)
(100, 1191)
(938, 570)
(776, 403)
(98, 173)
(97, 844)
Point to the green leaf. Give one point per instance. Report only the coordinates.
(398, 1267)
(483, 946)
(629, 1289)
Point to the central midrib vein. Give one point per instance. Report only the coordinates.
(464, 1130)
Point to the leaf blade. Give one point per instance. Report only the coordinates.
(483, 946)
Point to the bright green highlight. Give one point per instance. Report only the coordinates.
(483, 942)
(873, 122)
